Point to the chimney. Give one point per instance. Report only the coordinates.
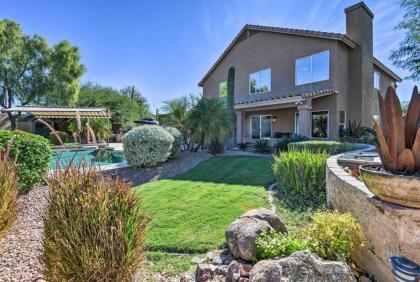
(359, 28)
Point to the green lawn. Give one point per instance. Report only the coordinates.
(190, 213)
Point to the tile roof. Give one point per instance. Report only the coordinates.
(304, 95)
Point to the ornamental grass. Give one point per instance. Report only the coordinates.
(94, 229)
(8, 190)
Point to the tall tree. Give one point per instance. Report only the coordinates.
(122, 109)
(407, 56)
(33, 72)
(230, 106)
(135, 95)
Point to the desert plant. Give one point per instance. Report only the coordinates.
(178, 141)
(230, 106)
(301, 176)
(398, 138)
(54, 140)
(243, 146)
(316, 146)
(94, 229)
(354, 129)
(262, 146)
(34, 153)
(8, 189)
(272, 244)
(333, 235)
(147, 145)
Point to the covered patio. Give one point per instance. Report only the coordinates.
(282, 117)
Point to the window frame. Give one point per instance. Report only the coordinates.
(311, 58)
(296, 123)
(378, 75)
(328, 124)
(220, 84)
(344, 124)
(250, 126)
(249, 82)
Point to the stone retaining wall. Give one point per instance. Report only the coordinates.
(390, 230)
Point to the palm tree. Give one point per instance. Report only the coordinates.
(208, 122)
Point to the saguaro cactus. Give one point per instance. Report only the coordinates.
(230, 106)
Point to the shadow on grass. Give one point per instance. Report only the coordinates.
(234, 170)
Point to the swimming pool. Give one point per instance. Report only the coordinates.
(95, 157)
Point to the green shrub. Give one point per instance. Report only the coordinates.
(147, 145)
(316, 146)
(34, 156)
(282, 143)
(53, 139)
(262, 146)
(243, 146)
(272, 244)
(334, 235)
(301, 176)
(94, 229)
(8, 192)
(178, 141)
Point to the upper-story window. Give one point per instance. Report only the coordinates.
(313, 68)
(223, 89)
(260, 82)
(376, 80)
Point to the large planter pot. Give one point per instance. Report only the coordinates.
(397, 189)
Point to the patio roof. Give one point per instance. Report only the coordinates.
(60, 112)
(285, 99)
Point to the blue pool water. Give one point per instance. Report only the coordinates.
(91, 157)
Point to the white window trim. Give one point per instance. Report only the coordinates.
(296, 84)
(345, 118)
(328, 125)
(249, 82)
(379, 80)
(297, 133)
(250, 126)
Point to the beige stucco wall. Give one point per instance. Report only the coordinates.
(390, 230)
(271, 50)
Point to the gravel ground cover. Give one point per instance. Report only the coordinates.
(21, 247)
(184, 162)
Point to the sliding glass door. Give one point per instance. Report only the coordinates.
(260, 126)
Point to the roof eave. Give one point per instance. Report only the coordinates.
(380, 65)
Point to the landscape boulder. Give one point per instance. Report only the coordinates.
(269, 216)
(301, 267)
(241, 235)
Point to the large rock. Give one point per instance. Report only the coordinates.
(269, 216)
(301, 267)
(241, 234)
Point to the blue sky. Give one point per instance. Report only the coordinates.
(165, 47)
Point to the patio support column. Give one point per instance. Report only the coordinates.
(240, 117)
(305, 118)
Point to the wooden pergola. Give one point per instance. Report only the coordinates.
(60, 112)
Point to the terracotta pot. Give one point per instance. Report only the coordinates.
(397, 189)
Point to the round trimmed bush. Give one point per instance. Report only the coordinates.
(178, 140)
(33, 156)
(147, 145)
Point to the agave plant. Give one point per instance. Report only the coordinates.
(398, 137)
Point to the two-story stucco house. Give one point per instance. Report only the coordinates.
(290, 81)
